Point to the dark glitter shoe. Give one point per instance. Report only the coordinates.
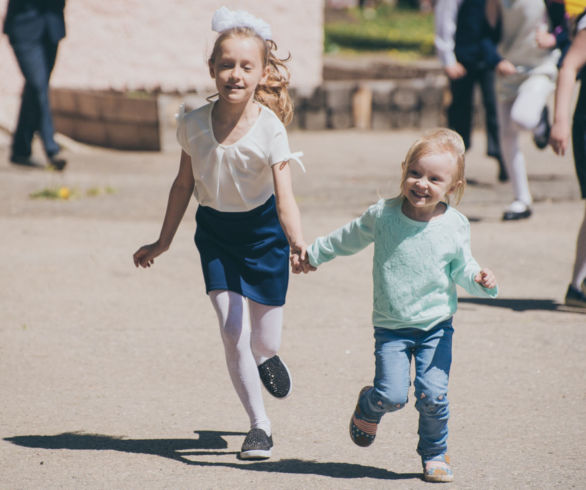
(257, 445)
(362, 430)
(276, 377)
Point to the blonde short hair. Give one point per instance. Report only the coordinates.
(439, 140)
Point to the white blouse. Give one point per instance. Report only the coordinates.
(234, 177)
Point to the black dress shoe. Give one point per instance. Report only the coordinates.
(575, 297)
(516, 215)
(57, 162)
(541, 139)
(24, 161)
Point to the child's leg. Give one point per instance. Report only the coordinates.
(233, 316)
(391, 385)
(433, 358)
(530, 101)
(392, 350)
(266, 326)
(513, 156)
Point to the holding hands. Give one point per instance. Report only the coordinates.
(300, 261)
(486, 279)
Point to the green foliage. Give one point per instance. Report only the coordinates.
(51, 193)
(66, 193)
(97, 191)
(383, 28)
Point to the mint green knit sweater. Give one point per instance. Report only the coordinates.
(416, 264)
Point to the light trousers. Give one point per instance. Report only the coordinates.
(518, 114)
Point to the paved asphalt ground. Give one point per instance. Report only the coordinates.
(114, 378)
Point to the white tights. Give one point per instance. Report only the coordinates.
(251, 333)
(521, 113)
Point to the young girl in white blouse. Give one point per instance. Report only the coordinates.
(235, 162)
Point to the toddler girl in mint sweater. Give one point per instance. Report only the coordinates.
(421, 251)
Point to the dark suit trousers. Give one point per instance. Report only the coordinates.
(460, 110)
(36, 60)
(579, 137)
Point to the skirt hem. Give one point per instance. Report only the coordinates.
(256, 299)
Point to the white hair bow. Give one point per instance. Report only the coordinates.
(224, 19)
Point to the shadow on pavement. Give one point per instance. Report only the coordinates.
(523, 304)
(207, 444)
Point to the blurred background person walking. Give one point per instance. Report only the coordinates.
(35, 28)
(468, 53)
(574, 66)
(527, 75)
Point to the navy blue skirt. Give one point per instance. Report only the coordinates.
(245, 252)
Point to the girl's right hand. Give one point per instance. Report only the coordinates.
(145, 255)
(559, 137)
(296, 266)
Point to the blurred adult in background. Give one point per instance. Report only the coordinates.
(526, 79)
(558, 34)
(574, 66)
(468, 54)
(35, 28)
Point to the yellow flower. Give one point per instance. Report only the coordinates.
(64, 193)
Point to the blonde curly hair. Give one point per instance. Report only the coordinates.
(273, 91)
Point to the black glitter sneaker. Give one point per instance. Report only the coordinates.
(257, 445)
(276, 377)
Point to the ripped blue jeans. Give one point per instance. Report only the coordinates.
(432, 351)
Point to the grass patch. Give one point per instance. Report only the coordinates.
(384, 28)
(66, 193)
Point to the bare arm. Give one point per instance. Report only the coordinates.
(575, 59)
(287, 208)
(179, 197)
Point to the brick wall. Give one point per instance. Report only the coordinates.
(160, 45)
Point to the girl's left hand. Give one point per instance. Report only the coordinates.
(486, 279)
(145, 255)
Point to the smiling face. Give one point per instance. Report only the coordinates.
(427, 181)
(237, 66)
